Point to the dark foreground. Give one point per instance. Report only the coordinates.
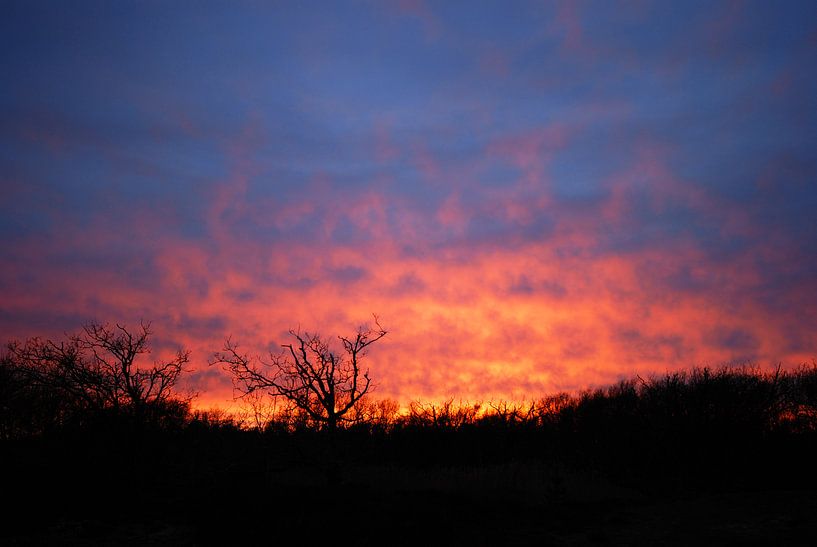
(368, 515)
(263, 493)
(707, 458)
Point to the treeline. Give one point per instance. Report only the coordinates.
(92, 379)
(697, 400)
(705, 429)
(724, 420)
(84, 415)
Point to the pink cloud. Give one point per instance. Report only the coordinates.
(499, 321)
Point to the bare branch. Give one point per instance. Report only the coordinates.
(308, 374)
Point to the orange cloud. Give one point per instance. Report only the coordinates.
(521, 313)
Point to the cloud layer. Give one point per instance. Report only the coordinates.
(531, 198)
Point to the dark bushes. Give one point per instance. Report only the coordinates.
(703, 428)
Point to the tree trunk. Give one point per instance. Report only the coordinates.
(333, 468)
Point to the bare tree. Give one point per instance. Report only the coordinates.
(308, 374)
(97, 370)
(114, 351)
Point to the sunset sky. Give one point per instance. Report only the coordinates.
(531, 196)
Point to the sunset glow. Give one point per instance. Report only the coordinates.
(531, 197)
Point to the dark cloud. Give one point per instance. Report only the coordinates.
(667, 348)
(408, 283)
(738, 340)
(346, 274)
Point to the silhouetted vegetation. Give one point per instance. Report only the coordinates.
(80, 416)
(317, 382)
(87, 380)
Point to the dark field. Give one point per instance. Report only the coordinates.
(720, 457)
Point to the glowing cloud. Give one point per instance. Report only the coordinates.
(530, 201)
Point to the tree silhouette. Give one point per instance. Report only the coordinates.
(97, 371)
(114, 351)
(312, 377)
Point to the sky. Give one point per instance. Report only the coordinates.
(531, 196)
